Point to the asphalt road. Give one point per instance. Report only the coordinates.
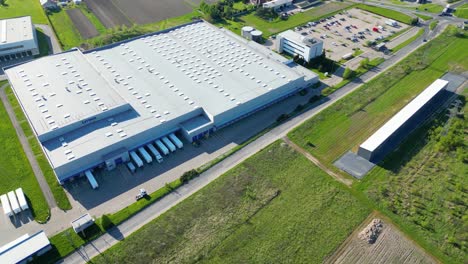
(90, 250)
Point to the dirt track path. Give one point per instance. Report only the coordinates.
(27, 149)
(336, 176)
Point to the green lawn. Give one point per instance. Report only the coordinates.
(15, 170)
(65, 30)
(274, 207)
(278, 25)
(426, 188)
(354, 118)
(398, 16)
(408, 41)
(57, 190)
(423, 17)
(431, 8)
(16, 8)
(92, 18)
(433, 24)
(462, 11)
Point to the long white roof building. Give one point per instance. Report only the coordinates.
(92, 108)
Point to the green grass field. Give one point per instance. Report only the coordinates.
(423, 17)
(278, 25)
(65, 30)
(431, 8)
(354, 118)
(462, 11)
(57, 190)
(398, 16)
(433, 24)
(426, 188)
(408, 41)
(274, 207)
(15, 170)
(92, 18)
(16, 8)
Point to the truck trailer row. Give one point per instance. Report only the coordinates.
(14, 202)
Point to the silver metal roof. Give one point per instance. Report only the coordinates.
(16, 29)
(161, 77)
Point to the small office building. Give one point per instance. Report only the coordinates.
(293, 43)
(17, 38)
(91, 109)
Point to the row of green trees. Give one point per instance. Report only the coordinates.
(223, 9)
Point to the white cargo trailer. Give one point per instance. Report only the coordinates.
(155, 153)
(91, 179)
(176, 141)
(136, 159)
(13, 202)
(21, 199)
(161, 147)
(6, 205)
(169, 144)
(131, 167)
(145, 155)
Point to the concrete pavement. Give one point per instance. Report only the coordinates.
(104, 242)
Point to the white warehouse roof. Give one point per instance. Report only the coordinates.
(379, 137)
(141, 84)
(23, 247)
(16, 30)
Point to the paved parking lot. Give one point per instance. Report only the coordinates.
(346, 32)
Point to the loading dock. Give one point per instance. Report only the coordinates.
(136, 159)
(145, 155)
(169, 144)
(162, 147)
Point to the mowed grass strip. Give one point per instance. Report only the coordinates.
(274, 207)
(15, 170)
(16, 8)
(425, 189)
(64, 28)
(348, 122)
(462, 11)
(388, 13)
(278, 25)
(57, 190)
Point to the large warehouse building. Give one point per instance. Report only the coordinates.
(17, 38)
(90, 109)
(397, 128)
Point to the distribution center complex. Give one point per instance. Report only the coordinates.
(91, 108)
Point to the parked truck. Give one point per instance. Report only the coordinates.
(21, 199)
(13, 202)
(162, 147)
(136, 159)
(169, 144)
(176, 140)
(145, 155)
(91, 179)
(155, 153)
(6, 205)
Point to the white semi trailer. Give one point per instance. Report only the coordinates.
(21, 199)
(6, 205)
(169, 144)
(155, 153)
(176, 140)
(13, 202)
(145, 155)
(89, 175)
(136, 159)
(162, 147)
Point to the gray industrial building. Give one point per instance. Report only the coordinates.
(91, 108)
(400, 125)
(17, 38)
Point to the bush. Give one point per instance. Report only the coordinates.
(348, 74)
(364, 63)
(188, 175)
(266, 13)
(106, 222)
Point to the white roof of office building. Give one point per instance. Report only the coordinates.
(298, 38)
(15, 30)
(379, 137)
(162, 76)
(23, 247)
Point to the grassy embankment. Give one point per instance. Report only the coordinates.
(388, 13)
(15, 170)
(423, 17)
(351, 120)
(431, 8)
(16, 8)
(408, 41)
(57, 190)
(274, 207)
(67, 33)
(462, 11)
